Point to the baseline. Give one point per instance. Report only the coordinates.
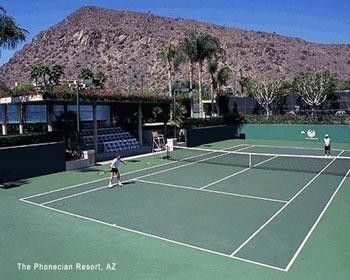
(152, 236)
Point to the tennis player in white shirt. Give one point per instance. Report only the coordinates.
(114, 170)
(327, 146)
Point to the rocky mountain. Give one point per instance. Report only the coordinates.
(126, 44)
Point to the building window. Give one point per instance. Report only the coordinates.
(57, 110)
(13, 113)
(102, 112)
(35, 113)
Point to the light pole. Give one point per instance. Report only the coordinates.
(174, 110)
(78, 115)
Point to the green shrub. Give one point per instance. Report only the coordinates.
(212, 121)
(4, 91)
(291, 119)
(29, 128)
(23, 89)
(26, 139)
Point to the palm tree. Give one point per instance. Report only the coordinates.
(212, 69)
(207, 47)
(44, 72)
(10, 34)
(223, 76)
(169, 55)
(218, 78)
(35, 73)
(86, 74)
(188, 49)
(100, 80)
(243, 82)
(56, 73)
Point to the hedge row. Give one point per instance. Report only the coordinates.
(212, 121)
(33, 138)
(256, 119)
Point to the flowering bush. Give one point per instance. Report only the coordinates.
(23, 89)
(295, 119)
(67, 93)
(108, 95)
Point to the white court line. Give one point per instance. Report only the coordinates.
(237, 173)
(135, 171)
(293, 156)
(133, 179)
(296, 148)
(283, 207)
(133, 157)
(73, 195)
(316, 223)
(152, 236)
(211, 191)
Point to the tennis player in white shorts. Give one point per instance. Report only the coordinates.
(327, 146)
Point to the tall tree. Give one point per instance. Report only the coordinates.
(35, 73)
(218, 78)
(223, 76)
(188, 49)
(169, 55)
(100, 80)
(213, 65)
(207, 47)
(243, 83)
(86, 74)
(264, 92)
(56, 73)
(44, 72)
(314, 88)
(10, 33)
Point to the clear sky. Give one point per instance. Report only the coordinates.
(321, 21)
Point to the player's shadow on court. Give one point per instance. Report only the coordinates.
(87, 170)
(128, 183)
(14, 184)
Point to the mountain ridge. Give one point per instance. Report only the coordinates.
(123, 44)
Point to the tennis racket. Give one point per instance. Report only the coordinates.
(103, 172)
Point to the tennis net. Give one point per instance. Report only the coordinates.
(338, 164)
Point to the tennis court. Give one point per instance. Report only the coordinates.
(251, 203)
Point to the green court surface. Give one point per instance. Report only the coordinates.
(198, 214)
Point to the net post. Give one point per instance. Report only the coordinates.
(169, 147)
(250, 160)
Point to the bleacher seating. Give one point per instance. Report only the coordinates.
(109, 139)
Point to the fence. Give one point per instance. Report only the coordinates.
(294, 132)
(28, 161)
